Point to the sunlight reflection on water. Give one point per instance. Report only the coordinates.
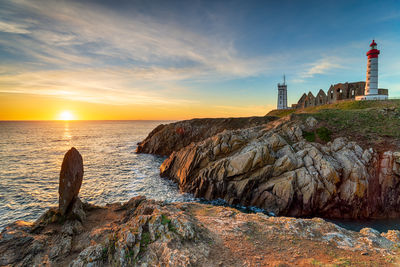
(31, 154)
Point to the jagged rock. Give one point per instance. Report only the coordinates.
(165, 139)
(274, 168)
(71, 176)
(150, 233)
(311, 122)
(392, 235)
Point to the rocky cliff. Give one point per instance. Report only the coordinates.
(143, 232)
(273, 167)
(166, 138)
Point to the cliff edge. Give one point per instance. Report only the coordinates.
(166, 138)
(334, 161)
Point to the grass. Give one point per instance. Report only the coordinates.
(343, 105)
(165, 220)
(370, 123)
(324, 134)
(315, 262)
(365, 122)
(309, 136)
(281, 112)
(145, 240)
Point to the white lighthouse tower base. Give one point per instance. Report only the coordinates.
(371, 97)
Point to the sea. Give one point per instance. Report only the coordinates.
(31, 153)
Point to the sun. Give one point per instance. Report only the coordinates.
(66, 116)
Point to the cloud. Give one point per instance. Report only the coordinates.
(321, 66)
(13, 28)
(106, 86)
(70, 33)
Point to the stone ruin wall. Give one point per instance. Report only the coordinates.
(337, 92)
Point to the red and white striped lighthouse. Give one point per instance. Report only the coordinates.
(371, 83)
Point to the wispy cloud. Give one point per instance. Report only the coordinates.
(90, 53)
(13, 28)
(321, 66)
(106, 86)
(98, 35)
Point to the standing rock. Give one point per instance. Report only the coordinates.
(71, 175)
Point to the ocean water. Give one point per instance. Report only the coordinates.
(31, 154)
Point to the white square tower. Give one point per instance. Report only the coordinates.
(282, 95)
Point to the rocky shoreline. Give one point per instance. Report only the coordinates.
(275, 168)
(260, 161)
(144, 232)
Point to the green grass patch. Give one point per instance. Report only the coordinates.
(281, 112)
(165, 220)
(129, 254)
(309, 136)
(315, 262)
(324, 134)
(145, 240)
(171, 227)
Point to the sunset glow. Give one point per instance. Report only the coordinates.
(66, 116)
(134, 61)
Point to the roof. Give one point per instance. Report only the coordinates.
(373, 43)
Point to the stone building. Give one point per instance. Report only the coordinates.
(321, 98)
(300, 103)
(336, 92)
(310, 100)
(342, 91)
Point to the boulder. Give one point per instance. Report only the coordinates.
(71, 176)
(311, 122)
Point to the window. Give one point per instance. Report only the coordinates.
(331, 95)
(352, 92)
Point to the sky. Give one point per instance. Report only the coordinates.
(171, 60)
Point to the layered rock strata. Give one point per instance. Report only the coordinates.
(143, 232)
(273, 167)
(166, 138)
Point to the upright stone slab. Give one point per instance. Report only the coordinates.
(71, 175)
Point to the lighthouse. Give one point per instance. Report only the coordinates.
(371, 83)
(282, 95)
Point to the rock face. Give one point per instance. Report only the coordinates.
(165, 139)
(274, 168)
(149, 233)
(71, 176)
